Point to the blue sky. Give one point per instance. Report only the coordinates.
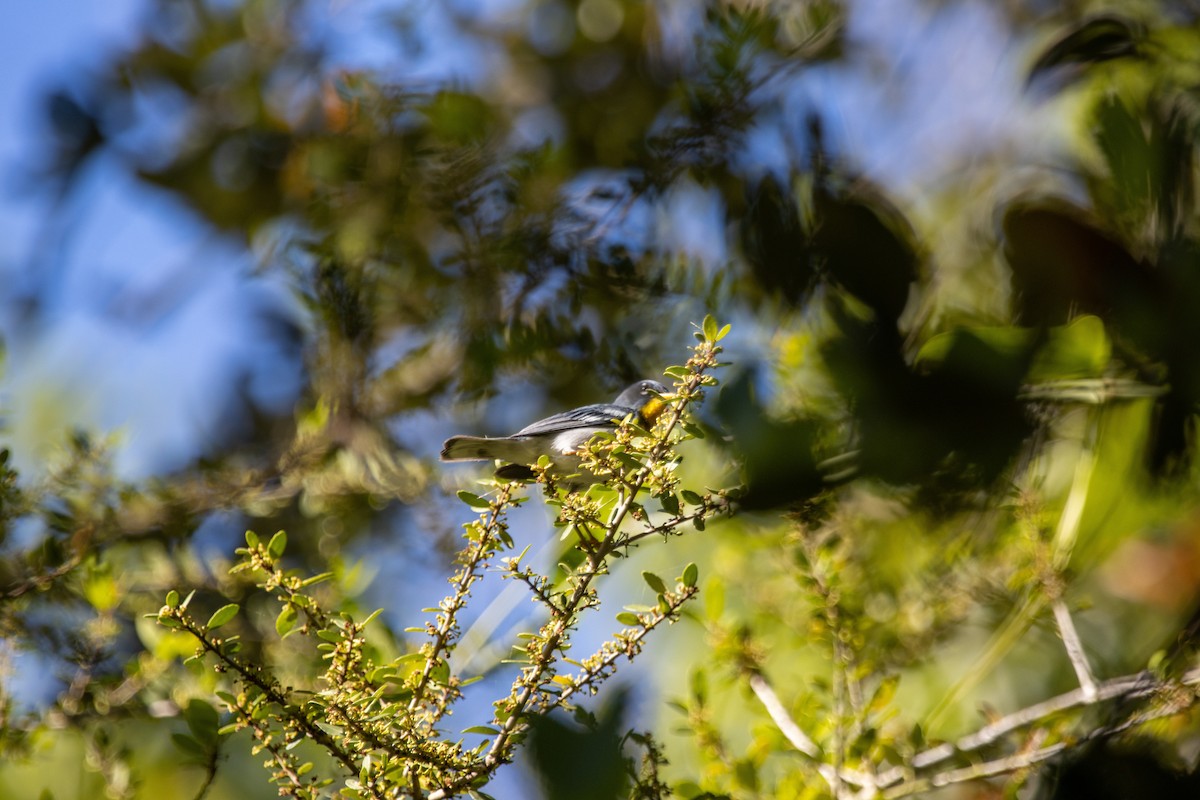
(124, 342)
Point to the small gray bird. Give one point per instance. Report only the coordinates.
(559, 436)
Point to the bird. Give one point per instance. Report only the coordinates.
(560, 437)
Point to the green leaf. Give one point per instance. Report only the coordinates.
(1080, 349)
(440, 674)
(972, 350)
(486, 730)
(628, 461)
(203, 721)
(381, 674)
(679, 373)
(409, 665)
(670, 504)
(628, 619)
(472, 499)
(222, 615)
(285, 623)
(721, 334)
(172, 599)
(277, 545)
(710, 328)
(654, 582)
(714, 598)
(189, 746)
(884, 694)
(690, 575)
(691, 498)
(251, 539)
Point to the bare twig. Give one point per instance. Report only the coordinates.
(837, 778)
(1129, 687)
(779, 715)
(1074, 646)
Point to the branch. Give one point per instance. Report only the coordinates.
(1074, 646)
(779, 715)
(475, 557)
(836, 777)
(628, 643)
(1128, 687)
(529, 691)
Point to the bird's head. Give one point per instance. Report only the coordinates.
(646, 397)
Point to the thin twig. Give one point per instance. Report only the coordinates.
(779, 715)
(1131, 687)
(1074, 646)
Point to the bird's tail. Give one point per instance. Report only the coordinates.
(482, 448)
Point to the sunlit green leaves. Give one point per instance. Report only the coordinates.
(473, 500)
(222, 616)
(654, 582)
(1080, 349)
(286, 621)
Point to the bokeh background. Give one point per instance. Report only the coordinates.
(260, 258)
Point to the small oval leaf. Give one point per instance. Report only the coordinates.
(203, 721)
(222, 615)
(691, 574)
(486, 730)
(285, 623)
(277, 545)
(654, 582)
(472, 499)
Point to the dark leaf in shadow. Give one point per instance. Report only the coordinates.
(777, 455)
(1063, 264)
(581, 762)
(1120, 770)
(775, 243)
(955, 423)
(1101, 38)
(866, 247)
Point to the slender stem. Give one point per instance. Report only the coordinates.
(467, 576)
(1131, 687)
(633, 645)
(1074, 647)
(779, 715)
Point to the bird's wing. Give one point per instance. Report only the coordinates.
(599, 415)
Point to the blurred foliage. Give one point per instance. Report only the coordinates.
(929, 499)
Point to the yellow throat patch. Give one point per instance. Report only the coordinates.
(652, 409)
